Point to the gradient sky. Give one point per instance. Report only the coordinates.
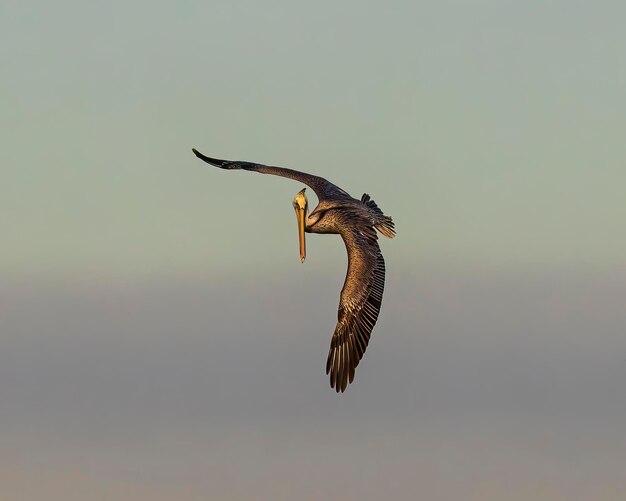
(159, 337)
(491, 131)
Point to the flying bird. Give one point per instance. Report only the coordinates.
(356, 221)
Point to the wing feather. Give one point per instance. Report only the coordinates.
(325, 190)
(359, 306)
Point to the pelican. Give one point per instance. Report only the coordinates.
(356, 221)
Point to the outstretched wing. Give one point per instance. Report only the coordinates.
(323, 189)
(359, 305)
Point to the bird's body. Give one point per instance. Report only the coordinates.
(356, 221)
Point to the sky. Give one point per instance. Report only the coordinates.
(490, 131)
(159, 337)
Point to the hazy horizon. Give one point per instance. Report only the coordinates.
(475, 386)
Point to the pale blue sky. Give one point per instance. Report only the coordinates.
(491, 131)
(160, 339)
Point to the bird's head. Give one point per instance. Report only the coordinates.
(301, 206)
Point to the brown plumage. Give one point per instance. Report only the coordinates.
(362, 293)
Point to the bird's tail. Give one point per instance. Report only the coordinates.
(381, 222)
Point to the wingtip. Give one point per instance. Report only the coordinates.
(223, 164)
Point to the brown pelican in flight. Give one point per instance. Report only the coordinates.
(362, 294)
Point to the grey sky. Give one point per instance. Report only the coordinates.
(490, 387)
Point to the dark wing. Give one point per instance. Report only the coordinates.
(359, 305)
(325, 190)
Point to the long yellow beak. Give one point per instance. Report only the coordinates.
(300, 215)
